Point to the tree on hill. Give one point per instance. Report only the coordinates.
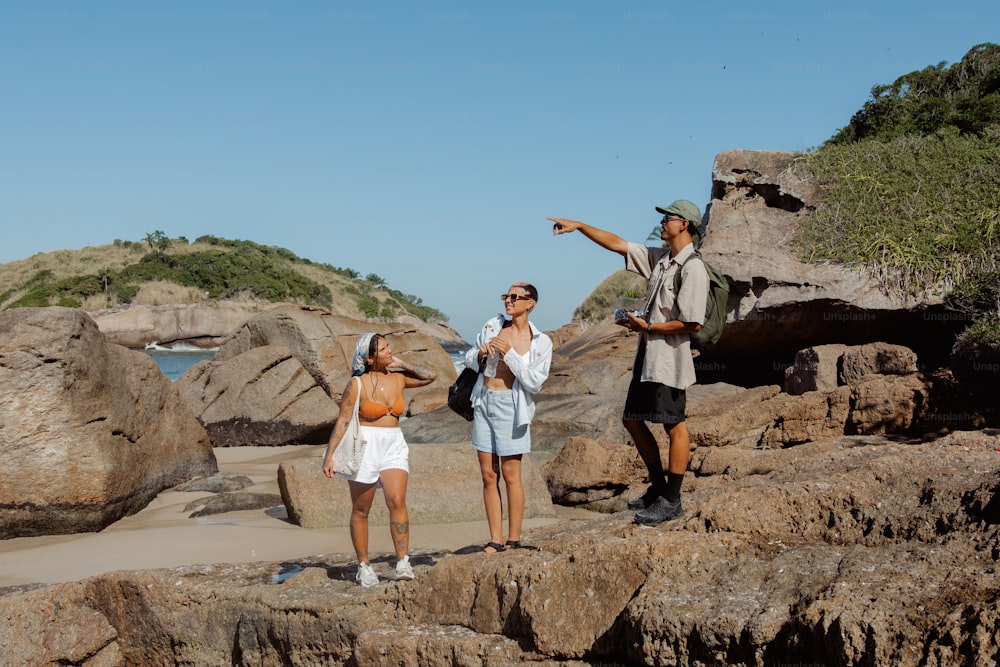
(158, 241)
(965, 96)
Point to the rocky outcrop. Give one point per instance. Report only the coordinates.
(91, 431)
(851, 551)
(780, 304)
(444, 479)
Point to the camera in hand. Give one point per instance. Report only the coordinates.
(621, 314)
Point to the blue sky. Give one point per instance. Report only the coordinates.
(425, 142)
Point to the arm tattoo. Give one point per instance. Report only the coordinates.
(419, 372)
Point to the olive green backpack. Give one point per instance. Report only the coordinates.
(715, 308)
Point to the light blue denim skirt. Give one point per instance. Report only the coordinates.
(493, 429)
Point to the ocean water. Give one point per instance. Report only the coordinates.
(173, 362)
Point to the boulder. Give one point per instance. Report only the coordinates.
(585, 471)
(977, 364)
(443, 487)
(876, 359)
(815, 369)
(262, 397)
(780, 304)
(92, 431)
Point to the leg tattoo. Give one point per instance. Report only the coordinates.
(401, 529)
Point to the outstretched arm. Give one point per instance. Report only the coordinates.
(605, 239)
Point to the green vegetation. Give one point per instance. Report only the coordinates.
(915, 210)
(224, 273)
(219, 269)
(965, 96)
(613, 292)
(913, 187)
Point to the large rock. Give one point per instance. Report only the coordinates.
(780, 304)
(443, 485)
(91, 431)
(262, 397)
(851, 551)
(587, 471)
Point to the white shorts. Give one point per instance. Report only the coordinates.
(385, 449)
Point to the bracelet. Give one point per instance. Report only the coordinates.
(649, 327)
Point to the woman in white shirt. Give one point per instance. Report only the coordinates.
(514, 357)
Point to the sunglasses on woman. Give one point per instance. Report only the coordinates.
(514, 297)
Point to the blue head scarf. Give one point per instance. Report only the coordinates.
(359, 363)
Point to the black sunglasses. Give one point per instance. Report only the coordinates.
(514, 297)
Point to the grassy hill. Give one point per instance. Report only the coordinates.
(159, 270)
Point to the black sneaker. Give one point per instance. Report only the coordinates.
(661, 510)
(645, 500)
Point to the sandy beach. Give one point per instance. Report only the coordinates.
(162, 535)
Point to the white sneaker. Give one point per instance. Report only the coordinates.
(366, 575)
(403, 569)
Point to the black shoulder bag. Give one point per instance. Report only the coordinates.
(460, 393)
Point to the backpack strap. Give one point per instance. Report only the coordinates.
(680, 267)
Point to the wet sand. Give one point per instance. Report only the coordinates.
(162, 535)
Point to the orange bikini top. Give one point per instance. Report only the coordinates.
(370, 410)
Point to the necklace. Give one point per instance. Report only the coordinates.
(376, 384)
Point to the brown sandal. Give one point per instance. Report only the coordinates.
(496, 546)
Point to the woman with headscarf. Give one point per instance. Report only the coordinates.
(377, 385)
(514, 357)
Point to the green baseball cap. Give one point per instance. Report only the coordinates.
(683, 208)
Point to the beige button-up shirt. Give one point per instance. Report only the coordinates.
(668, 356)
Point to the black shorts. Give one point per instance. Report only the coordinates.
(655, 402)
(652, 401)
